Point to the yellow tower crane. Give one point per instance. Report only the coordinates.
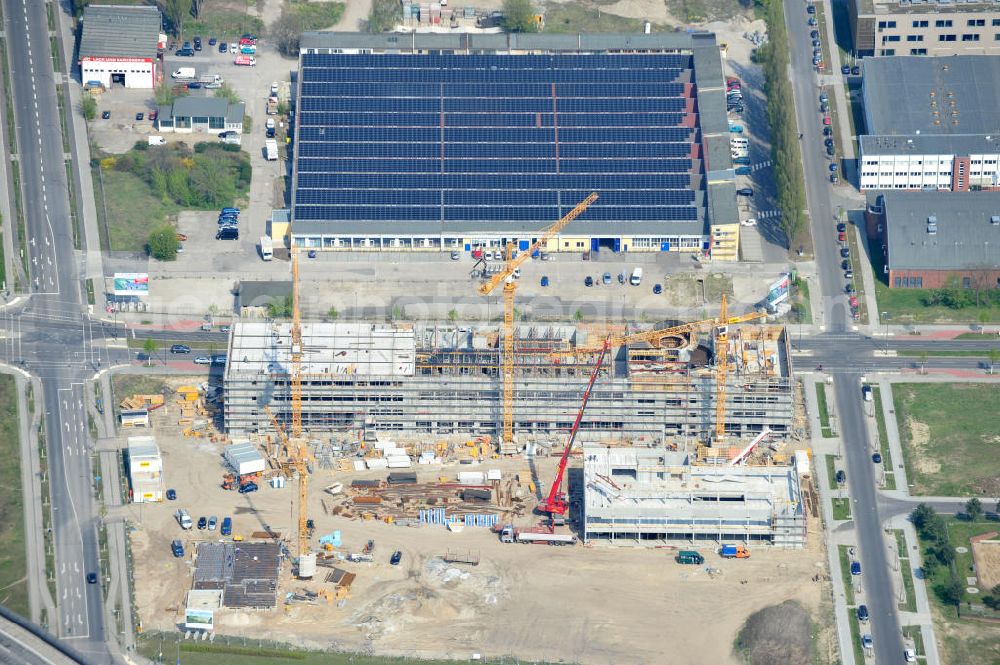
(505, 276)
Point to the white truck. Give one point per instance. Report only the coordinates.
(183, 519)
(510, 534)
(184, 74)
(636, 278)
(271, 149)
(211, 78)
(266, 248)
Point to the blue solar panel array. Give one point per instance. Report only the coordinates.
(494, 138)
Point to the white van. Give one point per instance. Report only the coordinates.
(636, 277)
(157, 140)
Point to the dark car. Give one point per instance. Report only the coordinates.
(855, 71)
(844, 252)
(841, 477)
(744, 191)
(249, 487)
(812, 21)
(193, 85)
(588, 281)
(877, 458)
(171, 495)
(180, 348)
(841, 227)
(814, 34)
(91, 578)
(823, 98)
(228, 233)
(828, 142)
(828, 131)
(833, 167)
(140, 115)
(177, 548)
(142, 356)
(197, 43)
(816, 43)
(184, 53)
(105, 115)
(845, 70)
(811, 9)
(824, 107)
(223, 47)
(212, 41)
(657, 289)
(202, 523)
(845, 265)
(855, 568)
(396, 557)
(862, 613)
(831, 151)
(227, 526)
(311, 253)
(834, 179)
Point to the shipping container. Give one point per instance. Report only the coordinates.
(402, 477)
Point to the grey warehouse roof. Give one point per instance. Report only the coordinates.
(965, 238)
(903, 93)
(961, 145)
(115, 31)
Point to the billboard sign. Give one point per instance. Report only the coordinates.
(131, 284)
(778, 291)
(199, 619)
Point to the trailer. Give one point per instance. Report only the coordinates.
(271, 147)
(508, 534)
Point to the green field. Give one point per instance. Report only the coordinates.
(124, 195)
(573, 18)
(910, 603)
(883, 440)
(239, 651)
(841, 509)
(831, 472)
(949, 445)
(900, 543)
(852, 619)
(220, 23)
(13, 567)
(845, 573)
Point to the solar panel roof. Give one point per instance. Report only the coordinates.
(444, 140)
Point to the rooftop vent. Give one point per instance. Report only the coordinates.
(995, 220)
(932, 225)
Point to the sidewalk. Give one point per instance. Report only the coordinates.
(922, 617)
(79, 140)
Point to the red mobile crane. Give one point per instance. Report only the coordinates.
(556, 503)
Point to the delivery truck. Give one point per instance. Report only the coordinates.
(183, 519)
(271, 149)
(184, 74)
(734, 552)
(508, 534)
(266, 248)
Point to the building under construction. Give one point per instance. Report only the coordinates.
(360, 378)
(655, 494)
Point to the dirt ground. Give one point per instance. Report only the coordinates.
(986, 554)
(514, 602)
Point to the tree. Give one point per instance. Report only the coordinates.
(280, 308)
(173, 10)
(994, 356)
(384, 16)
(974, 509)
(163, 243)
(332, 314)
(922, 515)
(519, 16)
(89, 108)
(951, 592)
(992, 600)
(453, 315)
(149, 346)
(286, 33)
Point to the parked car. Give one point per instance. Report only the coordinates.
(202, 360)
(828, 131)
(824, 107)
(744, 191)
(841, 477)
(606, 278)
(866, 641)
(249, 487)
(842, 237)
(177, 547)
(834, 179)
(153, 115)
(812, 21)
(848, 274)
(396, 557)
(811, 9)
(909, 655)
(588, 281)
(814, 34)
(197, 43)
(223, 47)
(171, 495)
(105, 115)
(202, 523)
(855, 568)
(211, 41)
(180, 348)
(219, 359)
(212, 522)
(194, 85)
(229, 233)
(845, 265)
(855, 71)
(824, 98)
(862, 613)
(841, 227)
(227, 526)
(657, 289)
(877, 458)
(748, 222)
(828, 141)
(833, 167)
(140, 115)
(844, 252)
(184, 53)
(827, 121)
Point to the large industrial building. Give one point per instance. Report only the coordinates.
(638, 494)
(447, 142)
(922, 27)
(931, 123)
(365, 378)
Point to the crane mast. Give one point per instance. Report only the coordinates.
(721, 370)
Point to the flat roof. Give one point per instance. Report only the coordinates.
(505, 42)
(882, 7)
(212, 107)
(258, 348)
(961, 145)
(242, 452)
(957, 94)
(142, 446)
(965, 237)
(120, 32)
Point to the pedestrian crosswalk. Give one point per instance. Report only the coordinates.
(768, 214)
(760, 165)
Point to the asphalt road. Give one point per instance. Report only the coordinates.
(60, 357)
(876, 577)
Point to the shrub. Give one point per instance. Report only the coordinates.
(163, 243)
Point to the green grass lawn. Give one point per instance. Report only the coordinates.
(125, 194)
(841, 509)
(824, 412)
(859, 284)
(913, 633)
(573, 18)
(901, 543)
(910, 603)
(319, 15)
(959, 533)
(859, 653)
(252, 652)
(845, 573)
(883, 439)
(949, 446)
(831, 472)
(13, 567)
(220, 23)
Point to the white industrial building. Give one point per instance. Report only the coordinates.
(145, 470)
(641, 494)
(244, 459)
(120, 46)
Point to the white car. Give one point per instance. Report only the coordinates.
(274, 89)
(234, 48)
(202, 360)
(748, 222)
(909, 655)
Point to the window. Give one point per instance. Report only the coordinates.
(946, 38)
(918, 51)
(891, 38)
(920, 24)
(970, 38)
(914, 38)
(966, 282)
(942, 23)
(976, 22)
(888, 51)
(996, 37)
(897, 282)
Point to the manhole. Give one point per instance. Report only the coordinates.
(971, 590)
(962, 550)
